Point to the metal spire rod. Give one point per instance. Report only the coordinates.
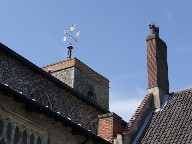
(70, 47)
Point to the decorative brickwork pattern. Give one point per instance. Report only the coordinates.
(157, 63)
(174, 123)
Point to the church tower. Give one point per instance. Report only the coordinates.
(82, 78)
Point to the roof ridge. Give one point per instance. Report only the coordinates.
(90, 68)
(172, 123)
(181, 91)
(137, 112)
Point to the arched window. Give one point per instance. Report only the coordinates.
(32, 139)
(39, 140)
(1, 127)
(21, 133)
(9, 131)
(17, 136)
(40, 95)
(93, 128)
(24, 138)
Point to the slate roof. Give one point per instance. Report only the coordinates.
(173, 124)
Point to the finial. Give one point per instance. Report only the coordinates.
(154, 29)
(70, 35)
(70, 47)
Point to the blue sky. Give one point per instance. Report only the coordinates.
(112, 40)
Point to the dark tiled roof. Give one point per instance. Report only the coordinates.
(173, 124)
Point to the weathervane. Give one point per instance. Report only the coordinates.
(70, 35)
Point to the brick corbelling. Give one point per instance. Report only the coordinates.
(80, 65)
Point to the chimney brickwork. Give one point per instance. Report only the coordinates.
(110, 125)
(157, 63)
(158, 82)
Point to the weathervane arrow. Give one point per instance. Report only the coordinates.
(69, 34)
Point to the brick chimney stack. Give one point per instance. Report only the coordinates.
(110, 126)
(158, 83)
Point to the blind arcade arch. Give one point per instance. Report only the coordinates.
(40, 95)
(14, 129)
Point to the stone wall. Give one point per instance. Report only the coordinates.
(23, 79)
(66, 76)
(32, 123)
(82, 78)
(85, 83)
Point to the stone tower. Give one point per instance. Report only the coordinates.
(82, 78)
